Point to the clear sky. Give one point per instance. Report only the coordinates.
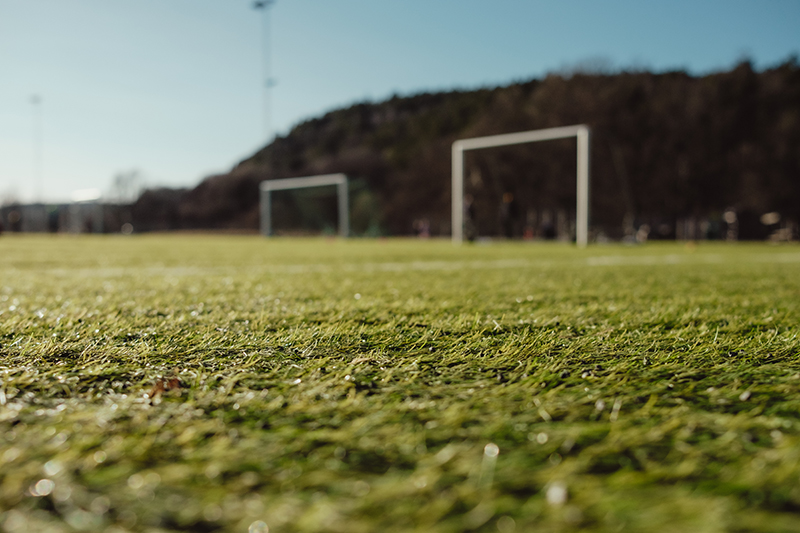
(174, 88)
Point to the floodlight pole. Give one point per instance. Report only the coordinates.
(580, 131)
(269, 82)
(38, 127)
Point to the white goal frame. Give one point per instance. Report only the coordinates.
(580, 131)
(340, 180)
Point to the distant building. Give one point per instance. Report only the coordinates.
(90, 216)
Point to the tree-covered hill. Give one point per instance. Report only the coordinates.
(666, 148)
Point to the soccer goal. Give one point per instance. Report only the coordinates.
(340, 180)
(580, 131)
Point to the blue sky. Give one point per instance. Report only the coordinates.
(173, 88)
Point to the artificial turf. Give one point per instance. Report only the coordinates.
(218, 383)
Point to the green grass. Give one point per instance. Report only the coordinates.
(360, 386)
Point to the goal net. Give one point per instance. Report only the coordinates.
(580, 131)
(269, 186)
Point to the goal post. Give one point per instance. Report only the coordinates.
(580, 131)
(340, 180)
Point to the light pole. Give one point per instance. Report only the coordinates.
(269, 82)
(36, 101)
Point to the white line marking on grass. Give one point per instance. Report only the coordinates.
(689, 259)
(778, 258)
(671, 259)
(435, 265)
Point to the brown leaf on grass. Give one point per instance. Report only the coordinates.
(163, 385)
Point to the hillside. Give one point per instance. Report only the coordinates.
(666, 148)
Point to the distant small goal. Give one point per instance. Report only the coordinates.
(580, 131)
(339, 180)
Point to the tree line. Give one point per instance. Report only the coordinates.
(666, 147)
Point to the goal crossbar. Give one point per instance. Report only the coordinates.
(340, 180)
(580, 131)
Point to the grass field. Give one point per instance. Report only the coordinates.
(197, 383)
